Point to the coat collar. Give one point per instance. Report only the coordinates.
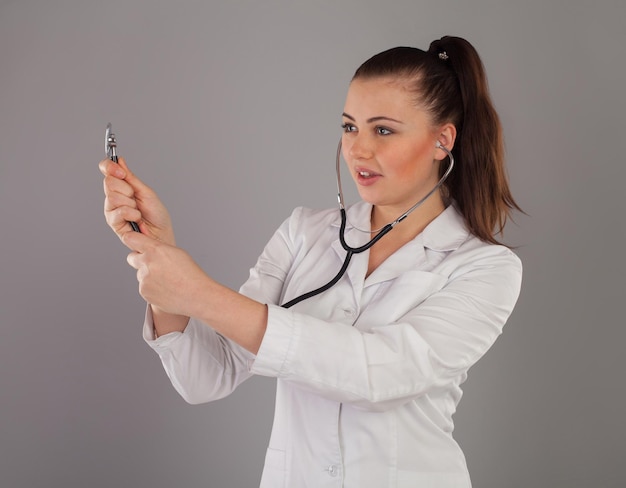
(445, 233)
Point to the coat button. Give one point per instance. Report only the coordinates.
(332, 470)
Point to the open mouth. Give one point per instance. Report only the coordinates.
(365, 177)
(367, 174)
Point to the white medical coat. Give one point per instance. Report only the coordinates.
(369, 372)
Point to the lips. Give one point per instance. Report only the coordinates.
(365, 172)
(366, 176)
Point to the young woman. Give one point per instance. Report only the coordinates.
(369, 371)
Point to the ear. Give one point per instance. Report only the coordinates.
(446, 135)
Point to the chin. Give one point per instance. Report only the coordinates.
(369, 199)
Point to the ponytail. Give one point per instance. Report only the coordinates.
(449, 82)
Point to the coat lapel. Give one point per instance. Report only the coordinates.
(446, 233)
(408, 257)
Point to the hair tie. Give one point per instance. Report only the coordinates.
(443, 55)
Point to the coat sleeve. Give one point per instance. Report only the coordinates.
(203, 365)
(430, 347)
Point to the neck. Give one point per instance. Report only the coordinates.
(414, 223)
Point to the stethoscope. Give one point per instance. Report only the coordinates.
(110, 148)
(351, 251)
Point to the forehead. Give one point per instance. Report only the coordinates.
(386, 97)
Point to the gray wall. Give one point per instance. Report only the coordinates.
(232, 111)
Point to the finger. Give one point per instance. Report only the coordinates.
(134, 260)
(139, 242)
(110, 168)
(114, 200)
(132, 179)
(119, 218)
(137, 261)
(120, 170)
(119, 209)
(112, 185)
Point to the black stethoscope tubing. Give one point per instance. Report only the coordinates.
(350, 251)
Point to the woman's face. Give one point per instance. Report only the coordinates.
(389, 144)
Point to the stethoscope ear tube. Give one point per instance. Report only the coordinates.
(443, 178)
(351, 251)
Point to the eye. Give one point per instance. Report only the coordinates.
(383, 131)
(348, 127)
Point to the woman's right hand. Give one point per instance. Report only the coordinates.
(128, 199)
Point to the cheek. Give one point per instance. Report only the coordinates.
(346, 145)
(418, 161)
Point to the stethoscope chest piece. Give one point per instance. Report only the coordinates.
(110, 144)
(110, 148)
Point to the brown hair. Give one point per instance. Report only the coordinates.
(449, 82)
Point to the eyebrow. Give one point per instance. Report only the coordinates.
(372, 119)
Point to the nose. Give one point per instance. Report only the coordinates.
(358, 146)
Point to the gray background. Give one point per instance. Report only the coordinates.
(232, 112)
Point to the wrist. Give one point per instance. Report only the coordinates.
(165, 322)
(233, 315)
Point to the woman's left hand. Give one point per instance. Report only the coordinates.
(168, 277)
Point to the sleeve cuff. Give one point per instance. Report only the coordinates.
(157, 343)
(279, 343)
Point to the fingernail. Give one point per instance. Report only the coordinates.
(119, 172)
